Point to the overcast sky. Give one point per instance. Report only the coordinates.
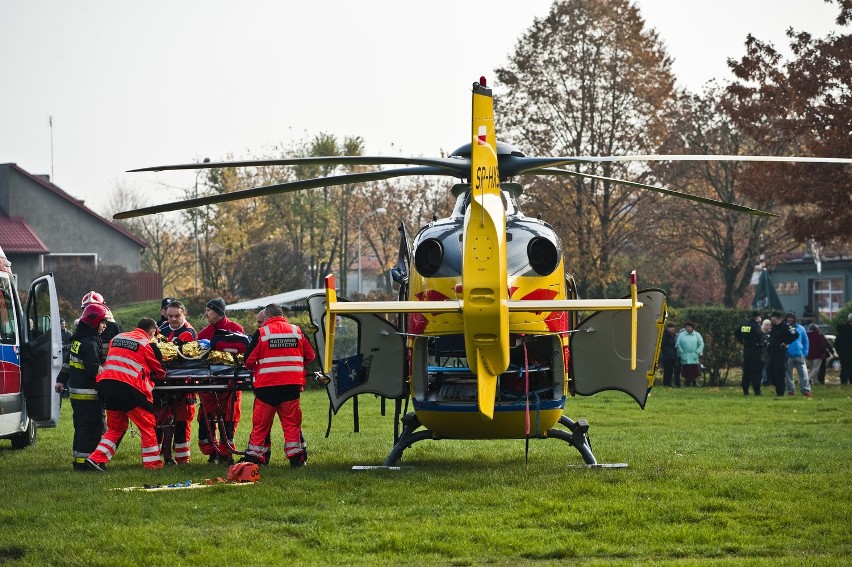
(134, 84)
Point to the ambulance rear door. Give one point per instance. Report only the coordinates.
(41, 352)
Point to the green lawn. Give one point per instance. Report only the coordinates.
(714, 478)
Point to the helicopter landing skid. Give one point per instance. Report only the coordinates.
(577, 437)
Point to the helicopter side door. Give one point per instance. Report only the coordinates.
(369, 355)
(600, 349)
(41, 352)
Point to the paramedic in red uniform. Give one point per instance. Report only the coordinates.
(179, 406)
(125, 386)
(278, 362)
(227, 405)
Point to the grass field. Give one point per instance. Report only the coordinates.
(714, 478)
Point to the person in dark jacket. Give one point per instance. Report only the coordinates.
(668, 356)
(843, 346)
(84, 364)
(780, 336)
(751, 337)
(817, 354)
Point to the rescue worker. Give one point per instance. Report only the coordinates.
(278, 362)
(227, 336)
(112, 328)
(751, 337)
(780, 336)
(164, 304)
(84, 363)
(126, 386)
(175, 409)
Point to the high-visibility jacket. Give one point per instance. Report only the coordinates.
(131, 359)
(281, 354)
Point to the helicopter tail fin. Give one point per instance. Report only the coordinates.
(486, 297)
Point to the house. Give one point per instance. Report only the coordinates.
(814, 294)
(42, 227)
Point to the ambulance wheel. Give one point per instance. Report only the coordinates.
(25, 438)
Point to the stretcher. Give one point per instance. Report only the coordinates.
(219, 380)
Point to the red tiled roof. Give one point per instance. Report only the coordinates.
(78, 203)
(16, 237)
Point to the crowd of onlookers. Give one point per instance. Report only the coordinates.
(775, 350)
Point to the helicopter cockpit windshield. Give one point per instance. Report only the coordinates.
(510, 202)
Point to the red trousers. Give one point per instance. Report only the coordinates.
(180, 412)
(224, 406)
(290, 415)
(117, 422)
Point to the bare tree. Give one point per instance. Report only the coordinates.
(169, 251)
(588, 79)
(730, 241)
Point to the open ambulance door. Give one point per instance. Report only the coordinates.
(600, 349)
(41, 352)
(369, 355)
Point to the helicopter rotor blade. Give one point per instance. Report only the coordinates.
(670, 192)
(512, 165)
(458, 164)
(288, 187)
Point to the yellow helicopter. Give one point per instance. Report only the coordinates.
(487, 342)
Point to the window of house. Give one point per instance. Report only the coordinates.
(828, 297)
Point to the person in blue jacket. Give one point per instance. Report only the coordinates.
(797, 351)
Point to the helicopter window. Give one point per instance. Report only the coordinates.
(464, 200)
(345, 338)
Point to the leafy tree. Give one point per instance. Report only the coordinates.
(803, 105)
(729, 241)
(588, 79)
(76, 279)
(267, 268)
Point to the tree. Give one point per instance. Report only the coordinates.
(169, 251)
(729, 241)
(588, 79)
(803, 105)
(267, 268)
(74, 280)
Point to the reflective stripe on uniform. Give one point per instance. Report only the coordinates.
(269, 359)
(83, 394)
(121, 369)
(125, 360)
(297, 336)
(291, 449)
(281, 369)
(150, 454)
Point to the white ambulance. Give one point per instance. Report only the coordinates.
(30, 357)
